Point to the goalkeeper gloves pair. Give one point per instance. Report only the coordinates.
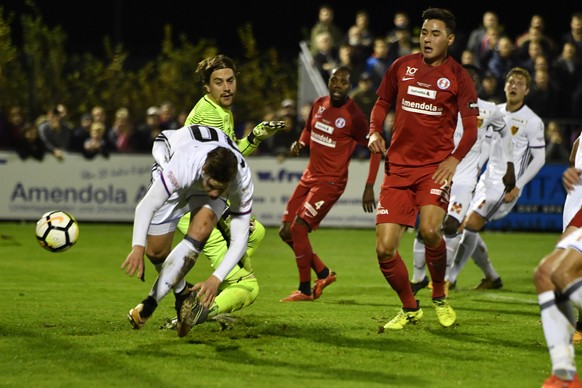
(265, 130)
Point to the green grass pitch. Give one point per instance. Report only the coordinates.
(63, 320)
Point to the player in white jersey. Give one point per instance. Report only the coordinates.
(545, 288)
(558, 280)
(204, 171)
(464, 181)
(492, 201)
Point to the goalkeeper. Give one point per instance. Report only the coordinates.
(240, 288)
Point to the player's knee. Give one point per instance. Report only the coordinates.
(451, 226)
(284, 232)
(156, 256)
(287, 229)
(541, 275)
(299, 229)
(430, 234)
(385, 252)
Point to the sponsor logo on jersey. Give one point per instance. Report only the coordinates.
(421, 107)
(324, 127)
(421, 92)
(322, 139)
(443, 83)
(310, 209)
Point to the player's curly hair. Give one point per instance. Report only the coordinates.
(207, 66)
(221, 165)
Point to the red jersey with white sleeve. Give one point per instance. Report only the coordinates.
(428, 101)
(332, 133)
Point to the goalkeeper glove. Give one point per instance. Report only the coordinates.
(265, 130)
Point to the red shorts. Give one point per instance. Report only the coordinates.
(405, 190)
(312, 203)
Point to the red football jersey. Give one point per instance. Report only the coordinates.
(332, 134)
(427, 100)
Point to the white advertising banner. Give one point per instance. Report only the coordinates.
(109, 189)
(91, 190)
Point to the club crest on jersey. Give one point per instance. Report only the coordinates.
(340, 122)
(514, 130)
(443, 83)
(456, 208)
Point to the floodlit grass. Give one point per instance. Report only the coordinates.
(62, 321)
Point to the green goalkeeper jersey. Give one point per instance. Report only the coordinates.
(207, 112)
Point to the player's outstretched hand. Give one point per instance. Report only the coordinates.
(134, 263)
(207, 290)
(267, 129)
(376, 143)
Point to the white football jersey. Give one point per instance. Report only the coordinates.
(527, 130)
(468, 168)
(182, 173)
(465, 178)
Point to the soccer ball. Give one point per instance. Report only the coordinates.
(57, 231)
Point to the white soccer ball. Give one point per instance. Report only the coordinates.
(57, 231)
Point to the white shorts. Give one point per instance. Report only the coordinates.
(166, 219)
(488, 201)
(573, 240)
(460, 201)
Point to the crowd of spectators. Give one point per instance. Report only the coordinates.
(53, 133)
(554, 61)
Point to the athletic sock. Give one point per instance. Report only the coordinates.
(465, 251)
(419, 261)
(396, 275)
(481, 258)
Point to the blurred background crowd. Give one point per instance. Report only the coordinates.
(554, 59)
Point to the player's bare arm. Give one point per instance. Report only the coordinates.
(571, 177)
